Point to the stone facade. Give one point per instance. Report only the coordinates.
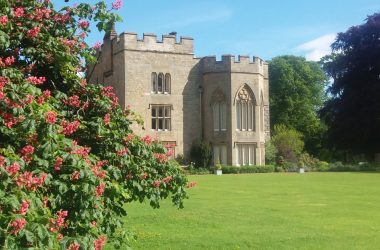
(183, 99)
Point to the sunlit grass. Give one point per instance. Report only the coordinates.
(266, 211)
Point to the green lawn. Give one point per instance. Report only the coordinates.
(266, 211)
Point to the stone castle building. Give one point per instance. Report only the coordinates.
(183, 99)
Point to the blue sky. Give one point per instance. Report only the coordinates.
(264, 28)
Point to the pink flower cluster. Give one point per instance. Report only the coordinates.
(59, 222)
(84, 24)
(26, 153)
(10, 120)
(122, 152)
(162, 158)
(97, 45)
(69, 127)
(156, 183)
(147, 139)
(97, 169)
(117, 4)
(75, 176)
(33, 32)
(129, 138)
(107, 119)
(17, 225)
(108, 91)
(99, 190)
(8, 61)
(74, 246)
(36, 80)
(24, 208)
(29, 181)
(83, 151)
(68, 42)
(51, 117)
(167, 179)
(73, 101)
(100, 242)
(13, 168)
(18, 12)
(2, 161)
(40, 14)
(45, 95)
(58, 163)
(3, 20)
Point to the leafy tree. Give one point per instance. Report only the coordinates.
(353, 113)
(68, 159)
(270, 153)
(296, 95)
(288, 142)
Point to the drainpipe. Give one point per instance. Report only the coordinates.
(200, 91)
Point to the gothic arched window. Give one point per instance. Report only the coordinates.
(167, 83)
(219, 111)
(160, 85)
(245, 110)
(154, 82)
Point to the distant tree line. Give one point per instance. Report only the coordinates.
(332, 106)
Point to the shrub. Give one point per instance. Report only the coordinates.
(69, 160)
(270, 152)
(201, 154)
(288, 142)
(247, 169)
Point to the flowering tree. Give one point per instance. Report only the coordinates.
(68, 158)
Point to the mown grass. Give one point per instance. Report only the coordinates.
(266, 211)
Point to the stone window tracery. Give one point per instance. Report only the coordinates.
(161, 83)
(245, 110)
(219, 111)
(161, 117)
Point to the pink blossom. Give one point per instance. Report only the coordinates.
(46, 93)
(156, 183)
(13, 169)
(17, 225)
(60, 237)
(9, 60)
(29, 181)
(2, 161)
(100, 242)
(122, 152)
(84, 24)
(74, 246)
(59, 222)
(99, 190)
(129, 138)
(69, 127)
(167, 179)
(117, 4)
(75, 176)
(26, 153)
(73, 101)
(36, 80)
(51, 117)
(18, 12)
(147, 139)
(33, 32)
(68, 42)
(83, 151)
(28, 99)
(28, 149)
(3, 20)
(58, 163)
(3, 82)
(162, 158)
(107, 119)
(97, 45)
(24, 208)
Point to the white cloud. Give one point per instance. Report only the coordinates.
(317, 48)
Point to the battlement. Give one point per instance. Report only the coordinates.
(149, 42)
(243, 64)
